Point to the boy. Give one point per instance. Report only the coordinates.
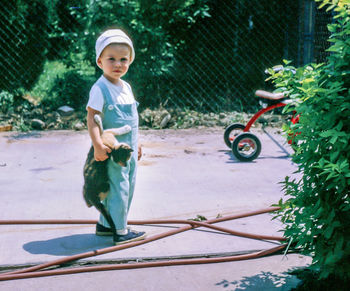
(113, 97)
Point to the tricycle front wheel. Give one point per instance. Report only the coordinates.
(246, 147)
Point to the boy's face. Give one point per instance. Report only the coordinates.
(114, 61)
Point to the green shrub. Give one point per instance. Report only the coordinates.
(62, 85)
(52, 70)
(6, 101)
(316, 214)
(71, 89)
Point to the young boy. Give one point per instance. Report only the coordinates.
(112, 97)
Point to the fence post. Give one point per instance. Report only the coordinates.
(309, 27)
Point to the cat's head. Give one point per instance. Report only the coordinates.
(121, 154)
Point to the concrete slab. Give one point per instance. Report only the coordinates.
(183, 173)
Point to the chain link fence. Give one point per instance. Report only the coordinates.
(228, 53)
(23, 44)
(218, 68)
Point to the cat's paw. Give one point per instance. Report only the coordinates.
(125, 129)
(120, 130)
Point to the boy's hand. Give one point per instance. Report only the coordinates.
(100, 153)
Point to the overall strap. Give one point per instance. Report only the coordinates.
(105, 92)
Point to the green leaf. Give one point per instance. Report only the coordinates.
(328, 232)
(334, 155)
(327, 133)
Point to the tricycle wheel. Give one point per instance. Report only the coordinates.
(231, 132)
(246, 147)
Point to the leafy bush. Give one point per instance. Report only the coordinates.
(316, 214)
(71, 89)
(52, 70)
(60, 85)
(6, 101)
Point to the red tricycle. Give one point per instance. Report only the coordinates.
(245, 145)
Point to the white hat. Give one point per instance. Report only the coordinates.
(113, 36)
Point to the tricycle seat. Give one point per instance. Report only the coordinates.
(270, 96)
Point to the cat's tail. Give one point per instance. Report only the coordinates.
(100, 207)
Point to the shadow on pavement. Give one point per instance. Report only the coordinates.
(234, 160)
(262, 281)
(68, 245)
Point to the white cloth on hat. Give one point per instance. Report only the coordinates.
(113, 36)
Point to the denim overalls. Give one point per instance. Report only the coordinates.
(121, 179)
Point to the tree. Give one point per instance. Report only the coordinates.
(24, 33)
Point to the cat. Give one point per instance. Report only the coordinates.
(96, 184)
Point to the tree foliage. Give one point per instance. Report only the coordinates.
(316, 214)
(23, 34)
(154, 27)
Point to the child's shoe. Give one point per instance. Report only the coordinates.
(102, 230)
(132, 235)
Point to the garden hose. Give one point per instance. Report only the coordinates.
(38, 270)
